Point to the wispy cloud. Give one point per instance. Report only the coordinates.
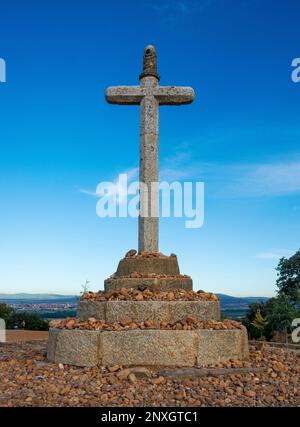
(257, 180)
(177, 167)
(235, 180)
(276, 255)
(87, 192)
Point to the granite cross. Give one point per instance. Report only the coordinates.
(149, 95)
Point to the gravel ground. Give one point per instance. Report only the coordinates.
(26, 379)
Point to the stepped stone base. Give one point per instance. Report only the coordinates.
(153, 348)
(140, 311)
(159, 284)
(147, 347)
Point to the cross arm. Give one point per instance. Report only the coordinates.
(124, 95)
(174, 95)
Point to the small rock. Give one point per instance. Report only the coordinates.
(131, 253)
(126, 322)
(70, 324)
(134, 275)
(104, 397)
(132, 378)
(171, 296)
(149, 323)
(250, 393)
(141, 372)
(122, 375)
(114, 368)
(159, 380)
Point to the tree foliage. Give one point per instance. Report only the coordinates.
(282, 314)
(288, 281)
(29, 321)
(260, 322)
(7, 314)
(277, 314)
(253, 319)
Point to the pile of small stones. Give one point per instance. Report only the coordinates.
(190, 323)
(136, 275)
(149, 295)
(27, 379)
(134, 253)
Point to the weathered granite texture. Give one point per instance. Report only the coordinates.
(149, 63)
(158, 265)
(215, 346)
(157, 348)
(161, 284)
(153, 348)
(79, 348)
(140, 311)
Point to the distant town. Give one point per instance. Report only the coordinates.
(38, 307)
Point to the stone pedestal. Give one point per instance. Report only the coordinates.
(154, 347)
(148, 271)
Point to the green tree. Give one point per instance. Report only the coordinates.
(288, 281)
(31, 322)
(260, 323)
(7, 314)
(264, 309)
(282, 315)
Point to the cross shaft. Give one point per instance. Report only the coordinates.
(149, 95)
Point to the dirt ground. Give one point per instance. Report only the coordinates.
(15, 336)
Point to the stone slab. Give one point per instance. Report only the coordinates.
(137, 311)
(52, 340)
(201, 310)
(216, 346)
(156, 348)
(149, 348)
(140, 311)
(87, 309)
(166, 284)
(74, 347)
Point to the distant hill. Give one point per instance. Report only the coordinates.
(35, 296)
(236, 307)
(42, 298)
(228, 299)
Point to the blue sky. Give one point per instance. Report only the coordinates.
(59, 138)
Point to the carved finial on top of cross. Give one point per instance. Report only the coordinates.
(150, 63)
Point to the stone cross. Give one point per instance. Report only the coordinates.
(149, 95)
